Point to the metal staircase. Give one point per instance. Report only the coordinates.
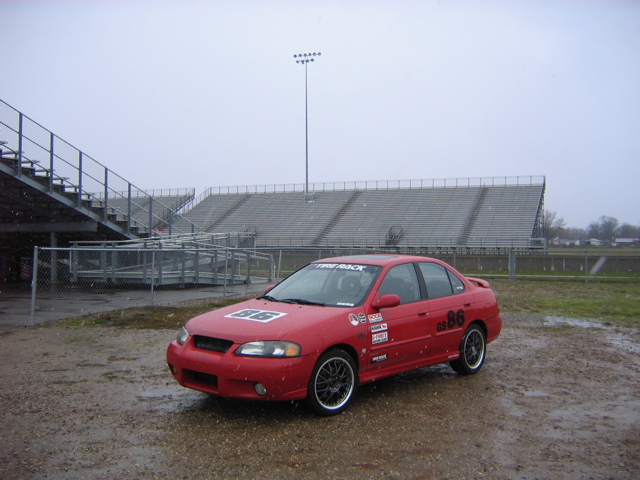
(47, 186)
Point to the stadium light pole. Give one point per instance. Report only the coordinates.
(304, 59)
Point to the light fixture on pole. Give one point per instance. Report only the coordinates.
(304, 59)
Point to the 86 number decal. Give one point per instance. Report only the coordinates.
(263, 316)
(454, 319)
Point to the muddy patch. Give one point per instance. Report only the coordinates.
(555, 399)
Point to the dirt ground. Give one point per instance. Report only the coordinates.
(555, 400)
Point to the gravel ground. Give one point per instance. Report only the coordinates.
(555, 400)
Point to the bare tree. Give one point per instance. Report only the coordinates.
(573, 233)
(627, 230)
(552, 224)
(604, 229)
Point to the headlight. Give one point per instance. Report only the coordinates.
(182, 336)
(276, 349)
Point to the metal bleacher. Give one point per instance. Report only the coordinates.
(453, 213)
(508, 214)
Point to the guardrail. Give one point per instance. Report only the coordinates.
(378, 185)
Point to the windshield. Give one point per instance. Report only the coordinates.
(326, 284)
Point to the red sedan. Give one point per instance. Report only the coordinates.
(335, 324)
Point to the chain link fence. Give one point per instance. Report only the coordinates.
(70, 282)
(497, 262)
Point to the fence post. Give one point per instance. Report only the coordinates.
(586, 266)
(153, 273)
(279, 272)
(248, 277)
(226, 272)
(512, 264)
(34, 287)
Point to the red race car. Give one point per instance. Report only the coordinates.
(335, 324)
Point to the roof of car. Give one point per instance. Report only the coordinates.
(375, 259)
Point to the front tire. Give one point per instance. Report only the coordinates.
(473, 348)
(333, 383)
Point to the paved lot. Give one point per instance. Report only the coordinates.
(15, 301)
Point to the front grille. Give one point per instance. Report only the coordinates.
(199, 377)
(212, 344)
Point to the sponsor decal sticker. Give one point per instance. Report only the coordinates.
(379, 328)
(353, 319)
(262, 316)
(362, 317)
(375, 317)
(379, 358)
(380, 337)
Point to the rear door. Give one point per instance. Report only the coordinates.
(451, 308)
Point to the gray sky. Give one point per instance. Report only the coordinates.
(207, 93)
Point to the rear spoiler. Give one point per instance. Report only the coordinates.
(479, 282)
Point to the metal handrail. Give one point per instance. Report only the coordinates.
(71, 170)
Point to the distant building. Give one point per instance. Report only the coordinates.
(567, 242)
(594, 242)
(626, 242)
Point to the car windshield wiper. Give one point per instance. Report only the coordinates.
(269, 297)
(300, 301)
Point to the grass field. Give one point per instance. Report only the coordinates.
(608, 301)
(613, 303)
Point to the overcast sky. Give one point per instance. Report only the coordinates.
(197, 94)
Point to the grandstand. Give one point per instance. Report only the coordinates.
(491, 212)
(54, 195)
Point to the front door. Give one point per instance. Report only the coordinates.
(399, 335)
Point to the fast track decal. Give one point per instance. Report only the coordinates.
(342, 266)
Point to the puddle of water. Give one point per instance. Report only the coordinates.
(160, 393)
(535, 393)
(574, 322)
(625, 339)
(167, 399)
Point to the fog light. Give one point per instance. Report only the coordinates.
(260, 390)
(173, 369)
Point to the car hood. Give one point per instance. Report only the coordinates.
(263, 320)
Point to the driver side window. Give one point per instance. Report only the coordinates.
(401, 280)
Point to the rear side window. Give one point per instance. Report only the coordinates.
(456, 283)
(439, 281)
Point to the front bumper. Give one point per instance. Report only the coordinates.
(235, 376)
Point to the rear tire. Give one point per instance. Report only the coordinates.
(473, 348)
(333, 383)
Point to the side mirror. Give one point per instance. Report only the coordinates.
(268, 289)
(386, 301)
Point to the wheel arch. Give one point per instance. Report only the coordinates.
(481, 324)
(353, 353)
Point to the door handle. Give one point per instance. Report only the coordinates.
(423, 312)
